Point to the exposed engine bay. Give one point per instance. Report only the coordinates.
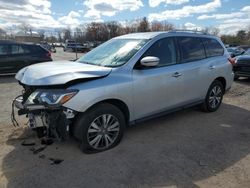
(45, 112)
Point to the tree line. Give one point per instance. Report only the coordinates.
(103, 31)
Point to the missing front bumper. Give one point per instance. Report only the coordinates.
(49, 121)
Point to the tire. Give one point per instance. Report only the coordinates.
(96, 136)
(214, 97)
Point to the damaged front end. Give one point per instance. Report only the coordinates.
(45, 111)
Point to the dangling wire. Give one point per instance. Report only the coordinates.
(13, 118)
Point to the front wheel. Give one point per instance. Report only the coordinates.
(100, 128)
(214, 97)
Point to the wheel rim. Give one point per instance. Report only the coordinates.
(215, 97)
(103, 131)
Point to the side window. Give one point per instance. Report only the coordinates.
(191, 49)
(165, 50)
(26, 49)
(212, 47)
(3, 49)
(16, 49)
(19, 49)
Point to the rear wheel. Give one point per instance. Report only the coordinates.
(214, 97)
(100, 128)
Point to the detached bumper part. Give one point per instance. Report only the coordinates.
(48, 121)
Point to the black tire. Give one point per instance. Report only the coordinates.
(85, 122)
(209, 106)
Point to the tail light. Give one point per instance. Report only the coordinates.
(48, 54)
(232, 61)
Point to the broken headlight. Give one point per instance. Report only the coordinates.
(51, 97)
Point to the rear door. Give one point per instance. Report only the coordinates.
(5, 64)
(216, 64)
(19, 56)
(39, 54)
(192, 59)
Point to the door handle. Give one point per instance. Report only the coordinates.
(211, 67)
(176, 74)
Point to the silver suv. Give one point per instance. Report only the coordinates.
(127, 79)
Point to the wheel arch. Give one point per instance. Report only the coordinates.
(223, 81)
(117, 103)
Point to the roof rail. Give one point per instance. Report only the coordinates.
(186, 30)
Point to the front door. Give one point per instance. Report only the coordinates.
(156, 89)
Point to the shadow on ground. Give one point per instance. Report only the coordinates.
(7, 79)
(177, 150)
(245, 81)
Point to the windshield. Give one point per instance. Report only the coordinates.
(113, 53)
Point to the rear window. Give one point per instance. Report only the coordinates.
(212, 47)
(191, 49)
(38, 49)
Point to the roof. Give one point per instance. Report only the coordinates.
(142, 35)
(150, 35)
(16, 42)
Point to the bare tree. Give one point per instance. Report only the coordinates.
(26, 28)
(161, 26)
(211, 30)
(67, 34)
(2, 34)
(42, 34)
(143, 25)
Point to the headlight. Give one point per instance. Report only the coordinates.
(51, 97)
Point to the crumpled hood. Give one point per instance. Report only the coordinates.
(59, 72)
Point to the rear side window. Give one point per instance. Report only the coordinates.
(212, 47)
(3, 49)
(164, 49)
(19, 49)
(191, 49)
(38, 49)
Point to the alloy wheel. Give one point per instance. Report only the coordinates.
(103, 131)
(215, 96)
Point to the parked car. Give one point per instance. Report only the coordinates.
(76, 47)
(69, 45)
(235, 51)
(80, 48)
(242, 65)
(48, 46)
(14, 56)
(123, 81)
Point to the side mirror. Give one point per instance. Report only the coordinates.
(150, 61)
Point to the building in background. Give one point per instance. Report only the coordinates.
(28, 37)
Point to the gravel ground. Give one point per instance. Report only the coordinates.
(184, 149)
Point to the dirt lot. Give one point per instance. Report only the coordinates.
(185, 149)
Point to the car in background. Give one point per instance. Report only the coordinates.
(48, 47)
(75, 47)
(235, 51)
(69, 45)
(80, 48)
(242, 65)
(15, 56)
